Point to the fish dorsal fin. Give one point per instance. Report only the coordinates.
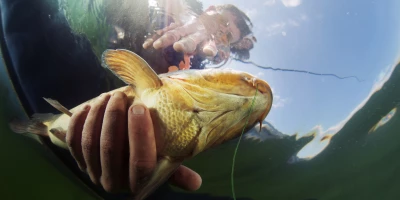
(131, 68)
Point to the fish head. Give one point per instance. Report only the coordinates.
(226, 101)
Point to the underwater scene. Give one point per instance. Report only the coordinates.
(200, 100)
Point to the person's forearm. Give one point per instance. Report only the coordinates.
(49, 60)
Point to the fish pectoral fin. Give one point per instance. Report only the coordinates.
(164, 169)
(58, 137)
(57, 105)
(131, 69)
(59, 133)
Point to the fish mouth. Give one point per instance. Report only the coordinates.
(231, 81)
(264, 88)
(261, 85)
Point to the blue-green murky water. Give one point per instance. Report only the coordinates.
(325, 137)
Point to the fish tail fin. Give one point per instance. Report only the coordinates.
(164, 169)
(29, 126)
(57, 105)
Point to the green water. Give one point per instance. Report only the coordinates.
(354, 166)
(27, 169)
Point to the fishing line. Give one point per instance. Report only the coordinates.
(237, 146)
(296, 70)
(291, 70)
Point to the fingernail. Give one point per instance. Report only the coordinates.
(157, 44)
(86, 108)
(138, 110)
(104, 96)
(178, 47)
(119, 95)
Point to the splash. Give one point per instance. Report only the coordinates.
(384, 120)
(319, 143)
(322, 137)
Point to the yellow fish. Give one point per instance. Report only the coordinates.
(192, 110)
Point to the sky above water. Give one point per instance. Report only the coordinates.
(347, 38)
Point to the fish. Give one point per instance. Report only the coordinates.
(192, 110)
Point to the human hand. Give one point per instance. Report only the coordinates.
(116, 145)
(210, 31)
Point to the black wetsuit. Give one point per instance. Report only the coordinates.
(47, 59)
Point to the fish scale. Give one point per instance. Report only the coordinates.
(180, 128)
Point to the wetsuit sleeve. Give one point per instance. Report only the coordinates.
(46, 57)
